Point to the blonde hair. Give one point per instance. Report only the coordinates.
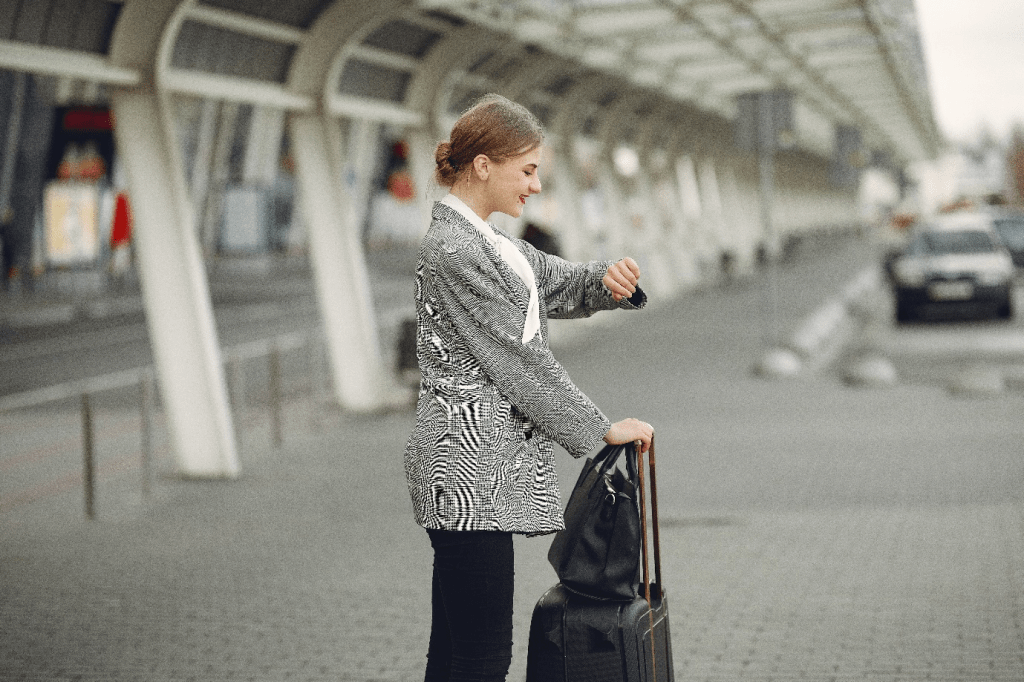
(496, 127)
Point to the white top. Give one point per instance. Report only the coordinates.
(512, 256)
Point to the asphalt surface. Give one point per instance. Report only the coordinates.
(810, 530)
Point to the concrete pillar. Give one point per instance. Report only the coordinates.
(743, 232)
(568, 191)
(175, 290)
(422, 144)
(339, 268)
(263, 151)
(654, 238)
(713, 226)
(355, 153)
(658, 203)
(690, 233)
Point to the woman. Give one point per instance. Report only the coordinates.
(480, 462)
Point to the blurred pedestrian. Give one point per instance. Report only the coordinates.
(539, 238)
(493, 399)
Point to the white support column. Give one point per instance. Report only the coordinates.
(654, 237)
(713, 225)
(175, 291)
(742, 237)
(336, 255)
(266, 128)
(422, 165)
(202, 164)
(355, 155)
(657, 205)
(570, 228)
(689, 230)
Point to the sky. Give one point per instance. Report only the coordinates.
(974, 53)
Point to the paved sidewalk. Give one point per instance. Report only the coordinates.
(811, 531)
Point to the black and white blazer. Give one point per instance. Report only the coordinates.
(481, 456)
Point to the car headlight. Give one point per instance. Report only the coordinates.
(910, 272)
(999, 272)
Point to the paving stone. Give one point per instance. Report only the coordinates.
(810, 531)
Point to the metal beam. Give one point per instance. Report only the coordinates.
(245, 24)
(55, 61)
(233, 89)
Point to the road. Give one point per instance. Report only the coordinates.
(246, 307)
(942, 350)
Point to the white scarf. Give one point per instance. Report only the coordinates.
(512, 256)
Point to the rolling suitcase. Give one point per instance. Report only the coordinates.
(574, 638)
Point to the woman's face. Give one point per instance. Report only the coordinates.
(510, 183)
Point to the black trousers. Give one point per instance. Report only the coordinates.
(471, 597)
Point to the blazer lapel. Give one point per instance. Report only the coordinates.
(513, 282)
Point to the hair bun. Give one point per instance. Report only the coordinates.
(446, 170)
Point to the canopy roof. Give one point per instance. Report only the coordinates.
(854, 62)
(850, 64)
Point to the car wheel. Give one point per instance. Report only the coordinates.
(1005, 310)
(904, 311)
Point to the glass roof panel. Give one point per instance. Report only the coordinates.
(297, 13)
(201, 47)
(84, 25)
(403, 37)
(374, 81)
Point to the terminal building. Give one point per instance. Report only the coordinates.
(147, 138)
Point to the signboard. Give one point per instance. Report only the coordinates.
(764, 121)
(71, 223)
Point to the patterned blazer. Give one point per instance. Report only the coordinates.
(481, 456)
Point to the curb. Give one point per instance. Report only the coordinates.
(821, 336)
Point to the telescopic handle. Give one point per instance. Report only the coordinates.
(654, 519)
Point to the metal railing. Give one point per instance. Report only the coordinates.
(236, 359)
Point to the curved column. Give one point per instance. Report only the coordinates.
(690, 230)
(336, 252)
(741, 232)
(714, 230)
(174, 286)
(678, 240)
(659, 202)
(620, 233)
(568, 190)
(459, 49)
(574, 231)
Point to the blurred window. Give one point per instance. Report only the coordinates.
(297, 13)
(85, 25)
(201, 47)
(363, 79)
(462, 98)
(956, 241)
(403, 37)
(1011, 230)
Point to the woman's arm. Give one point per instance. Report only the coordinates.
(574, 290)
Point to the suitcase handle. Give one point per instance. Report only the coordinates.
(654, 519)
(643, 544)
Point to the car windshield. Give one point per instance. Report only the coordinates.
(1011, 230)
(954, 241)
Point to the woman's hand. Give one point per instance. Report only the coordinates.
(628, 431)
(621, 278)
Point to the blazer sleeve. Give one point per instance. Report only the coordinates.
(574, 290)
(490, 324)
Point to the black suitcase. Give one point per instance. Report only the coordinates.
(578, 639)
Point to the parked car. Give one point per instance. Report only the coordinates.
(1010, 226)
(953, 263)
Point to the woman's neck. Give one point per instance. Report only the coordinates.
(473, 199)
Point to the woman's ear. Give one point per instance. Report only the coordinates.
(482, 166)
